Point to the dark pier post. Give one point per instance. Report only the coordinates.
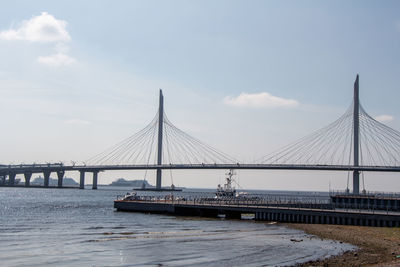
(94, 184)
(46, 175)
(27, 176)
(356, 139)
(160, 137)
(11, 179)
(60, 176)
(2, 179)
(82, 180)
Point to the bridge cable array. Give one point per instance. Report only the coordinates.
(333, 144)
(178, 148)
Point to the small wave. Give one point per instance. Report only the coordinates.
(118, 227)
(94, 228)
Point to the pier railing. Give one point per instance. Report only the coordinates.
(366, 194)
(263, 202)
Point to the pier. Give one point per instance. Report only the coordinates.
(232, 209)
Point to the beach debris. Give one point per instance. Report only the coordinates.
(296, 240)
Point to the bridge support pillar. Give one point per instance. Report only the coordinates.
(158, 181)
(356, 182)
(82, 180)
(46, 175)
(11, 179)
(27, 176)
(95, 175)
(60, 177)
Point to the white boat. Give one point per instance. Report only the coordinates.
(227, 191)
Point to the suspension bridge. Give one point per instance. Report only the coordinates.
(355, 143)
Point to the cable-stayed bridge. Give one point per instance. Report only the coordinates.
(355, 142)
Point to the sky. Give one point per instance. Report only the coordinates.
(246, 77)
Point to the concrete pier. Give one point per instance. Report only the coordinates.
(27, 176)
(46, 175)
(263, 213)
(94, 184)
(60, 176)
(82, 180)
(11, 179)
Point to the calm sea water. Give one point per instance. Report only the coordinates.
(50, 227)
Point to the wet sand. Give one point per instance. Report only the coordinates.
(378, 246)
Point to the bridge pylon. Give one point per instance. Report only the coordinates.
(160, 139)
(356, 137)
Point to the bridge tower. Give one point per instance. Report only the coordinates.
(356, 138)
(160, 139)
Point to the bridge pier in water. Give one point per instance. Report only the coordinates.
(27, 176)
(46, 175)
(94, 184)
(60, 176)
(81, 179)
(11, 179)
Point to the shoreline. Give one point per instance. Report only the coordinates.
(377, 246)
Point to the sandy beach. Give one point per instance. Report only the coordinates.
(378, 246)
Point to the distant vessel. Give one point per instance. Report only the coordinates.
(227, 190)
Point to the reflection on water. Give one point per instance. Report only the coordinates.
(80, 228)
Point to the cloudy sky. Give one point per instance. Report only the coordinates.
(244, 77)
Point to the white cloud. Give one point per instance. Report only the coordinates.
(384, 118)
(43, 28)
(57, 60)
(78, 121)
(260, 100)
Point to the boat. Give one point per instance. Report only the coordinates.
(227, 191)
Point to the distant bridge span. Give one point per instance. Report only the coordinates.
(20, 169)
(355, 143)
(240, 166)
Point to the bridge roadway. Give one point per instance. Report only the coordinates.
(28, 169)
